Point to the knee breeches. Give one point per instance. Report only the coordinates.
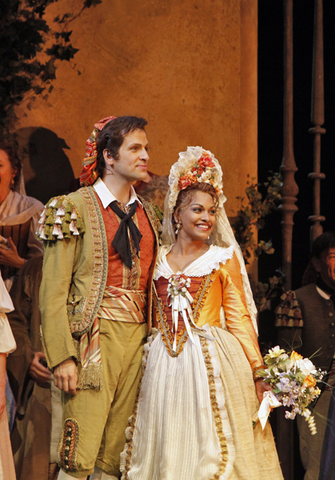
(94, 422)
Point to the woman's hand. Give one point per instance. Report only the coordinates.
(261, 387)
(10, 257)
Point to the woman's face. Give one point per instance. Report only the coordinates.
(198, 218)
(7, 173)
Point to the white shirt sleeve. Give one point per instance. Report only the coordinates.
(7, 341)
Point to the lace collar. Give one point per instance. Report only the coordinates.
(203, 265)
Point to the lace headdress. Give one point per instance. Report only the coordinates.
(199, 165)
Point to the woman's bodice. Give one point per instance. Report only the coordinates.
(162, 285)
(212, 285)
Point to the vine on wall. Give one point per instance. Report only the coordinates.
(29, 51)
(255, 206)
(250, 217)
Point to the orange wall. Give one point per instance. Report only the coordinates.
(189, 67)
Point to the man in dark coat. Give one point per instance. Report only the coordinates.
(306, 318)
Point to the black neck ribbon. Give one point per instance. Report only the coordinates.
(121, 242)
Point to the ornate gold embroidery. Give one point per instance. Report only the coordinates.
(153, 218)
(157, 228)
(100, 262)
(216, 410)
(201, 295)
(68, 445)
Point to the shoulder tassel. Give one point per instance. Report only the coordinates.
(59, 219)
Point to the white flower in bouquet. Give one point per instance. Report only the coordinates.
(293, 380)
(306, 366)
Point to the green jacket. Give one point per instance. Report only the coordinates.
(75, 270)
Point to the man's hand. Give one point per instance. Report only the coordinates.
(261, 387)
(37, 371)
(10, 257)
(65, 376)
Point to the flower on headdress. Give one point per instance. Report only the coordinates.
(184, 182)
(202, 172)
(206, 162)
(206, 177)
(195, 165)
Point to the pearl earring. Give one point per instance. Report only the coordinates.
(178, 227)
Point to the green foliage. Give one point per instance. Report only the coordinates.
(265, 293)
(252, 212)
(29, 50)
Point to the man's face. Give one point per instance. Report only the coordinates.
(325, 265)
(132, 164)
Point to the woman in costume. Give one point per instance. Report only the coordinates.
(194, 415)
(19, 215)
(7, 345)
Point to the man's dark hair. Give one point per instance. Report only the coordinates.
(14, 161)
(112, 135)
(323, 243)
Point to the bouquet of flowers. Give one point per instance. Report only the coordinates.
(294, 384)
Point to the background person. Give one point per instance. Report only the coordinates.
(19, 215)
(7, 345)
(306, 322)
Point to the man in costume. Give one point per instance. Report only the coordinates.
(95, 297)
(38, 418)
(306, 321)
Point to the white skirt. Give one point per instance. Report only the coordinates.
(193, 417)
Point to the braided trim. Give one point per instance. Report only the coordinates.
(69, 445)
(221, 424)
(100, 263)
(163, 326)
(127, 451)
(202, 293)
